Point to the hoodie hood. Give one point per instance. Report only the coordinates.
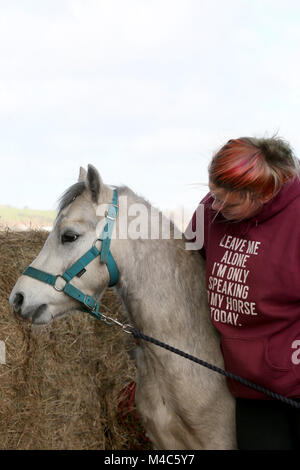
(286, 195)
(252, 282)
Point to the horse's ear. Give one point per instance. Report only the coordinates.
(82, 175)
(93, 182)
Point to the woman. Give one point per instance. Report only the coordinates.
(252, 252)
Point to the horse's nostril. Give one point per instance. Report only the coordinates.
(17, 302)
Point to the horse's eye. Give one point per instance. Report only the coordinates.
(69, 237)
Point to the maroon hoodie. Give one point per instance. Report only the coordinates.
(253, 286)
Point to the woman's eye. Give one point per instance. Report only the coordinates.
(69, 237)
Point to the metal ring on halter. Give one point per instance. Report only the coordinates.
(58, 288)
(97, 240)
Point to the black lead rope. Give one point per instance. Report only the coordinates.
(138, 335)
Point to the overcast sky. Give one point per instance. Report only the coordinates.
(146, 90)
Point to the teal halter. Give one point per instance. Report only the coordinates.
(78, 268)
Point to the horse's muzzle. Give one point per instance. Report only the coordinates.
(34, 313)
(16, 302)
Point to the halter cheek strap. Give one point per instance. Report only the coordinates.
(78, 268)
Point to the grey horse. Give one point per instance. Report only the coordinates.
(162, 286)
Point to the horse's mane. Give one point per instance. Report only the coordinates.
(78, 188)
(178, 242)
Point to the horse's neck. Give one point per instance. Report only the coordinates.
(167, 300)
(163, 288)
(146, 279)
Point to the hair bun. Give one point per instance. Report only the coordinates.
(275, 150)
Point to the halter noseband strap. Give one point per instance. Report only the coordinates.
(78, 268)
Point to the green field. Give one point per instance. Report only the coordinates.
(10, 216)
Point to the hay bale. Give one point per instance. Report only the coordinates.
(62, 384)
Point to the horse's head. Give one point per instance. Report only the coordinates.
(79, 222)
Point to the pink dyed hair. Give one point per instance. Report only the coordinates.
(256, 166)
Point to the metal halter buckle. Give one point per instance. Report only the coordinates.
(92, 309)
(109, 216)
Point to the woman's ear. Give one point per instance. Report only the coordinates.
(266, 199)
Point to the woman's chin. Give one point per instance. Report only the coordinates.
(228, 216)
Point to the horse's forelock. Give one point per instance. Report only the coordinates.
(70, 195)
